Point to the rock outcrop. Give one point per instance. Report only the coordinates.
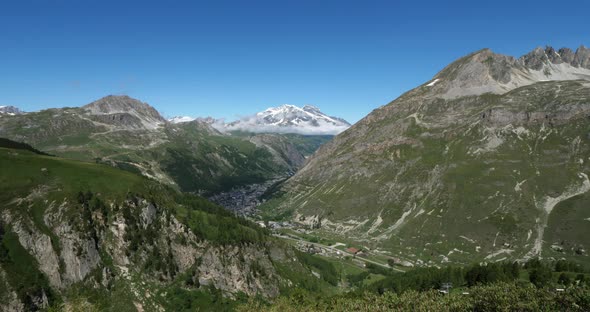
(100, 247)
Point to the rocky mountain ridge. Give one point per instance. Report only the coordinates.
(477, 165)
(10, 110)
(485, 71)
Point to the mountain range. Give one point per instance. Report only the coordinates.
(487, 161)
(306, 120)
(131, 135)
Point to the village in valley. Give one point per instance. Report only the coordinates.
(304, 240)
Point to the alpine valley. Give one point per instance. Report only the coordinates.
(188, 154)
(476, 180)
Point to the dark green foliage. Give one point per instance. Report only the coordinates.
(214, 223)
(6, 143)
(127, 167)
(357, 280)
(208, 299)
(491, 273)
(494, 297)
(540, 276)
(326, 268)
(564, 279)
(245, 164)
(419, 279)
(533, 264)
(569, 266)
(377, 269)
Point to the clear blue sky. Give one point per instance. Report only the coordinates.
(230, 58)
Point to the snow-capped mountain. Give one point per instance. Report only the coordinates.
(180, 119)
(289, 119)
(10, 110)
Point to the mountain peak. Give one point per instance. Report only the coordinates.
(311, 109)
(289, 118)
(485, 71)
(123, 104)
(115, 104)
(181, 119)
(10, 110)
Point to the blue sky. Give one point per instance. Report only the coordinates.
(233, 58)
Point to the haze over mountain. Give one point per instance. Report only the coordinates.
(486, 161)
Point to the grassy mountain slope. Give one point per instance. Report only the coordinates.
(131, 135)
(79, 233)
(476, 178)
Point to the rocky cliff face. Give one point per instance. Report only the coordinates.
(131, 242)
(476, 165)
(76, 231)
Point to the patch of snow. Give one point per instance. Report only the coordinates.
(433, 82)
(181, 119)
(308, 120)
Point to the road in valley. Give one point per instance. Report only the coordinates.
(337, 250)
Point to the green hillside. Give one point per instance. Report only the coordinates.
(440, 181)
(76, 233)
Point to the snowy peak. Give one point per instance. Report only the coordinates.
(290, 119)
(485, 71)
(10, 111)
(180, 119)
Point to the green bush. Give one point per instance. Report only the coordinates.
(494, 297)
